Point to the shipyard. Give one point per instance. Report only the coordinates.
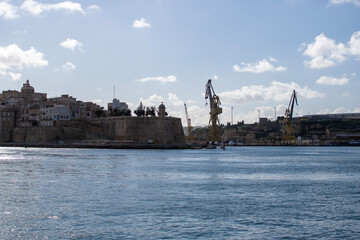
(29, 118)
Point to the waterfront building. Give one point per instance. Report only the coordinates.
(116, 104)
(7, 121)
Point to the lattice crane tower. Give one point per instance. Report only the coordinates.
(215, 110)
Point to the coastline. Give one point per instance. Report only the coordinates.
(106, 145)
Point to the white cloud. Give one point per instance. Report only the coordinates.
(13, 56)
(36, 8)
(325, 52)
(97, 101)
(168, 79)
(354, 44)
(153, 100)
(142, 23)
(174, 100)
(8, 11)
(325, 80)
(272, 59)
(198, 115)
(253, 115)
(259, 67)
(19, 32)
(71, 44)
(11, 75)
(68, 67)
(215, 77)
(94, 8)
(337, 110)
(277, 91)
(355, 2)
(15, 76)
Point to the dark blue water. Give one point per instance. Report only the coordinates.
(240, 193)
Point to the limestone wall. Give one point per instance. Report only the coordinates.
(124, 129)
(142, 129)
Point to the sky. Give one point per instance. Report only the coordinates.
(255, 51)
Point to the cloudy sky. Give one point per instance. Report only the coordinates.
(256, 53)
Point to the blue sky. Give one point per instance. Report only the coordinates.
(157, 51)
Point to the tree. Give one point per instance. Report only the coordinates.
(120, 112)
(140, 110)
(150, 111)
(99, 112)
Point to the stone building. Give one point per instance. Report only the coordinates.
(7, 122)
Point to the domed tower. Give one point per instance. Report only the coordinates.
(27, 88)
(162, 112)
(27, 91)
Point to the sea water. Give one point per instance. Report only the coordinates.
(239, 193)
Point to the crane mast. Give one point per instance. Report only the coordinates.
(189, 136)
(288, 136)
(215, 110)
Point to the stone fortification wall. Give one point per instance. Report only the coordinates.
(124, 129)
(142, 129)
(46, 134)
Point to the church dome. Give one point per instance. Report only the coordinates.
(27, 88)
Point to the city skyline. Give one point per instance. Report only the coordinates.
(256, 53)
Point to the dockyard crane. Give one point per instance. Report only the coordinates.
(215, 110)
(288, 136)
(190, 136)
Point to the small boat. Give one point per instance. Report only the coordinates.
(211, 146)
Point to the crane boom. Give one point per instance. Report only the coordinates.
(190, 134)
(288, 136)
(188, 120)
(290, 108)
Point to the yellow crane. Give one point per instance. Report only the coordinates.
(288, 136)
(190, 136)
(215, 110)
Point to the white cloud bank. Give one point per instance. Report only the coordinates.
(13, 56)
(336, 2)
(277, 91)
(141, 23)
(15, 76)
(262, 66)
(11, 75)
(168, 79)
(8, 11)
(36, 8)
(338, 110)
(325, 52)
(68, 67)
(155, 100)
(71, 44)
(326, 80)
